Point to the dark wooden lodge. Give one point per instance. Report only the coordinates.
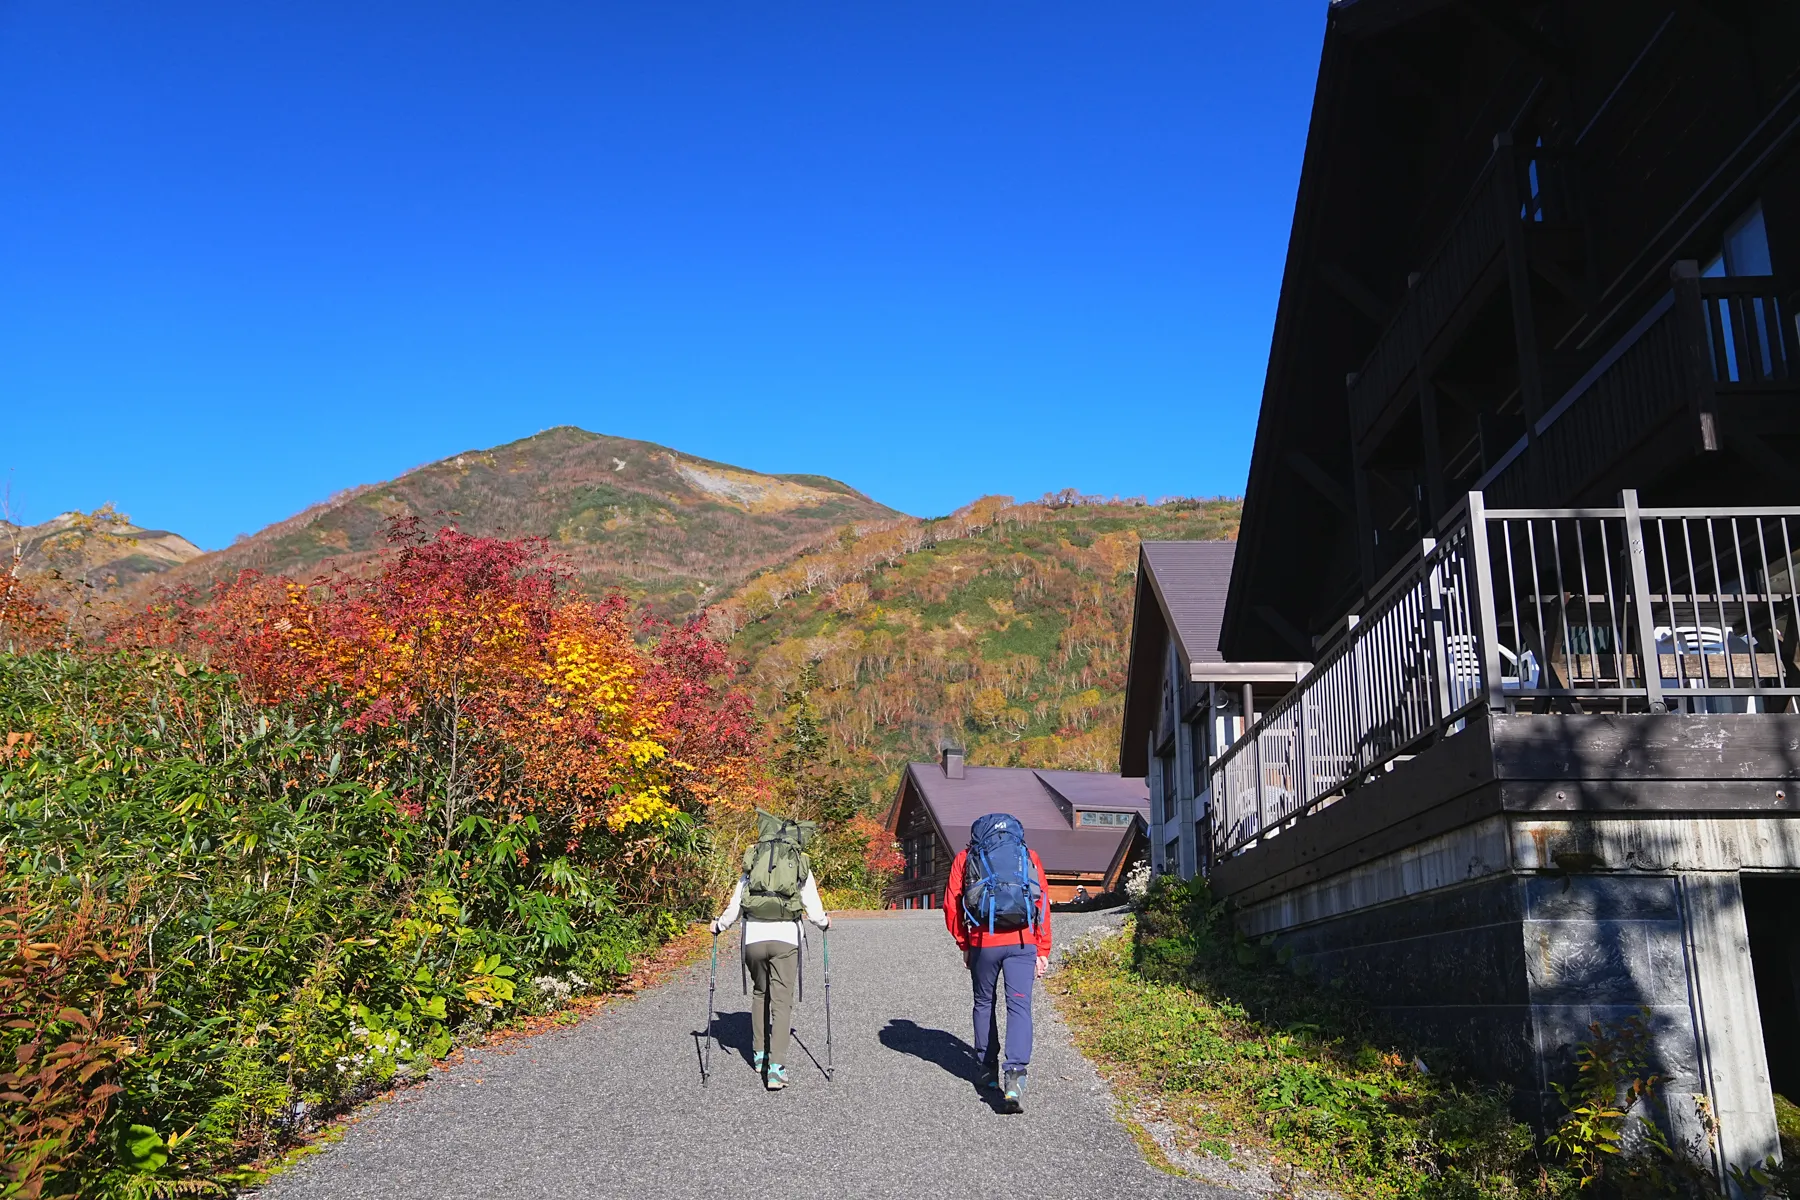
(1526, 491)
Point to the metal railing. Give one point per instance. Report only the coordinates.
(1529, 610)
(1742, 343)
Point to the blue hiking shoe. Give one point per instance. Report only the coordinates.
(758, 1059)
(1012, 1086)
(990, 1079)
(777, 1077)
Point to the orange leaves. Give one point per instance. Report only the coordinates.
(478, 655)
(18, 745)
(73, 1002)
(28, 621)
(882, 858)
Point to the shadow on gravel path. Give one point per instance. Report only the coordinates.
(732, 1031)
(941, 1048)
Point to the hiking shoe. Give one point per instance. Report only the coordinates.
(758, 1059)
(1012, 1085)
(990, 1079)
(777, 1078)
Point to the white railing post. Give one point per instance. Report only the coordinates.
(1303, 755)
(1440, 648)
(1640, 600)
(1257, 790)
(1360, 701)
(1487, 620)
(1221, 810)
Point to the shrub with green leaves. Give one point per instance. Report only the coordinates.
(1241, 1051)
(289, 934)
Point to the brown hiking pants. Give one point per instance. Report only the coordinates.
(774, 967)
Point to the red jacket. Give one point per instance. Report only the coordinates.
(976, 937)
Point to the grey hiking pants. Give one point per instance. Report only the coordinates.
(774, 967)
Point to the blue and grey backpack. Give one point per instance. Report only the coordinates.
(1000, 887)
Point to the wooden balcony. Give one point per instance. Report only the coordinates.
(1522, 191)
(1555, 613)
(1710, 352)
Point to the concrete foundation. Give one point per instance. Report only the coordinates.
(1502, 941)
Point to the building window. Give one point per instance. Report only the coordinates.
(1197, 736)
(1098, 819)
(1745, 250)
(917, 850)
(1170, 790)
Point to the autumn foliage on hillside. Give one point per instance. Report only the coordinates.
(28, 618)
(481, 655)
(1004, 627)
(346, 823)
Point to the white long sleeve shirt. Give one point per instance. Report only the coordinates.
(774, 931)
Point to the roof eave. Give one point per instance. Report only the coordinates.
(1308, 204)
(1134, 749)
(1248, 672)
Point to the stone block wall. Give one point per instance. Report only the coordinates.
(1506, 973)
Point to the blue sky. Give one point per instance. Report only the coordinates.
(251, 254)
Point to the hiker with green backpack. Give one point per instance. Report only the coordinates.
(774, 893)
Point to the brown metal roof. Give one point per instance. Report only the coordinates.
(1191, 580)
(1181, 592)
(1031, 796)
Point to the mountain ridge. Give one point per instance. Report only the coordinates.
(673, 529)
(103, 549)
(1002, 626)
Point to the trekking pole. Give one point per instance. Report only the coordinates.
(711, 1015)
(825, 950)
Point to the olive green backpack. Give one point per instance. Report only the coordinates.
(776, 868)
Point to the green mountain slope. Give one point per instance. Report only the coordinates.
(1003, 627)
(669, 527)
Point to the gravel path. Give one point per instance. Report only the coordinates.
(615, 1107)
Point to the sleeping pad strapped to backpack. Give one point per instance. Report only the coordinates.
(1000, 886)
(777, 867)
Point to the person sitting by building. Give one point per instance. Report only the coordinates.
(774, 892)
(997, 907)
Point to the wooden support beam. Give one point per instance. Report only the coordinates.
(1352, 289)
(1560, 279)
(1458, 393)
(1320, 481)
(1524, 314)
(1433, 446)
(1365, 525)
(1749, 446)
(1284, 629)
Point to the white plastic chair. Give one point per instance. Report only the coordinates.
(1703, 641)
(1465, 664)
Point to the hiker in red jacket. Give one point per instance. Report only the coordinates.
(997, 907)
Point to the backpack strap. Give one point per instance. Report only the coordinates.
(1030, 878)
